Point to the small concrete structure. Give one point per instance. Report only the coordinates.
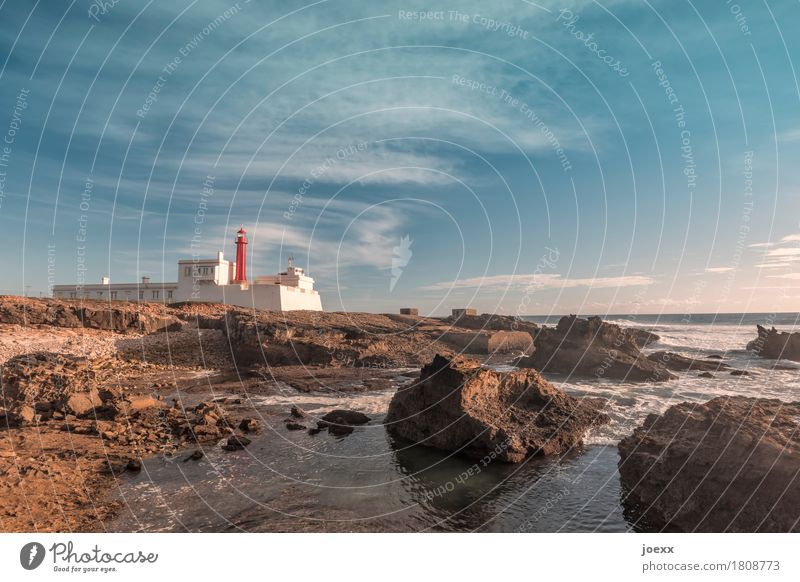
(463, 311)
(409, 311)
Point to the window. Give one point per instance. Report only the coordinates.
(73, 295)
(155, 294)
(187, 271)
(99, 294)
(141, 294)
(169, 294)
(113, 295)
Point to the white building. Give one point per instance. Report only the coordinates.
(212, 281)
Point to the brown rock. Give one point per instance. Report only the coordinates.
(592, 348)
(236, 442)
(294, 426)
(775, 345)
(249, 425)
(83, 403)
(641, 337)
(679, 363)
(297, 413)
(727, 465)
(346, 417)
(457, 405)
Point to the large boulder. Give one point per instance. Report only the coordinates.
(592, 348)
(457, 405)
(730, 464)
(776, 345)
(680, 363)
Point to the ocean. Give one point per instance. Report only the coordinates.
(290, 481)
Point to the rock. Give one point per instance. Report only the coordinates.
(488, 342)
(314, 430)
(705, 375)
(134, 466)
(121, 317)
(236, 442)
(457, 405)
(295, 426)
(341, 422)
(592, 348)
(776, 345)
(727, 465)
(195, 456)
(641, 337)
(143, 402)
(714, 357)
(339, 429)
(297, 413)
(345, 417)
(740, 373)
(679, 363)
(249, 425)
(83, 403)
(26, 414)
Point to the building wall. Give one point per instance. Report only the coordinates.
(159, 292)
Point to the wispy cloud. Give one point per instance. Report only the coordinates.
(541, 281)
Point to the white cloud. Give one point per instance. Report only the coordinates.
(540, 281)
(719, 269)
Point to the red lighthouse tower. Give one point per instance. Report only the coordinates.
(241, 256)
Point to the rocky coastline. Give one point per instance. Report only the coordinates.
(91, 389)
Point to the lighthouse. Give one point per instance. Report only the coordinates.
(212, 280)
(241, 256)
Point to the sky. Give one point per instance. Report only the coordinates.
(516, 157)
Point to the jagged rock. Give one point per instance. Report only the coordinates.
(592, 348)
(121, 317)
(679, 363)
(83, 403)
(457, 405)
(727, 465)
(295, 426)
(493, 322)
(740, 373)
(488, 342)
(297, 413)
(775, 345)
(641, 337)
(249, 425)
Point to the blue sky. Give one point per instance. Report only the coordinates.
(531, 168)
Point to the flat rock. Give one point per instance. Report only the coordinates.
(457, 405)
(730, 464)
(679, 363)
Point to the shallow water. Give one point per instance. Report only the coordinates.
(291, 481)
